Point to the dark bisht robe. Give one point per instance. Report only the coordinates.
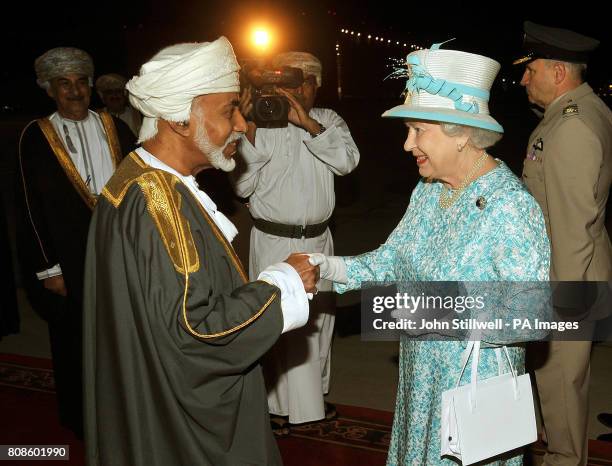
(173, 333)
(54, 210)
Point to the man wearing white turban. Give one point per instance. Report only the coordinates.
(114, 96)
(65, 160)
(173, 329)
(289, 179)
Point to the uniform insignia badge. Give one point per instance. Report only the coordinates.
(571, 109)
(527, 57)
(538, 145)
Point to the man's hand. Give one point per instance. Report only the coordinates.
(246, 107)
(297, 115)
(245, 104)
(308, 273)
(56, 285)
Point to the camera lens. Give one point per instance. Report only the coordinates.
(270, 108)
(270, 111)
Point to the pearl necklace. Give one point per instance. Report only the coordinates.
(446, 200)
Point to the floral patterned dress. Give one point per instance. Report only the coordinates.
(501, 237)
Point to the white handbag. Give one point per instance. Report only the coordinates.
(487, 417)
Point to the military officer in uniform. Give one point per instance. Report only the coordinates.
(568, 169)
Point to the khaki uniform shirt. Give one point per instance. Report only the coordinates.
(568, 169)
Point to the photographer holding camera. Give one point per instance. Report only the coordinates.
(290, 162)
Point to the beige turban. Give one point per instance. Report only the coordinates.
(61, 61)
(176, 75)
(308, 63)
(110, 81)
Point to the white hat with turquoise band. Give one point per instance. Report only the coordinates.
(449, 86)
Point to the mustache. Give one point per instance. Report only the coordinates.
(232, 138)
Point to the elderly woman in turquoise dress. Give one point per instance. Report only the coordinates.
(469, 219)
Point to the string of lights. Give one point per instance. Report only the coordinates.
(395, 63)
(380, 39)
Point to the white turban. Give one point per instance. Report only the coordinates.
(307, 62)
(61, 61)
(176, 75)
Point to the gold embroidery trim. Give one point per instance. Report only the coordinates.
(123, 178)
(225, 332)
(66, 162)
(111, 135)
(164, 204)
(236, 261)
(25, 192)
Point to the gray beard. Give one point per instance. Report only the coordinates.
(215, 152)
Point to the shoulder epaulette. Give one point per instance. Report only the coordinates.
(570, 110)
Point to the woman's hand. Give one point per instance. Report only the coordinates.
(331, 267)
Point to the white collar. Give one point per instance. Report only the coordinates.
(225, 225)
(63, 118)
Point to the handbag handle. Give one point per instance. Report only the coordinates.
(474, 347)
(465, 356)
(512, 369)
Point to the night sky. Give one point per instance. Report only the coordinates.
(122, 35)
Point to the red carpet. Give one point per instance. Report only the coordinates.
(28, 409)
(359, 437)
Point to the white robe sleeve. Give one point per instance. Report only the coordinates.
(52, 272)
(335, 147)
(255, 159)
(294, 302)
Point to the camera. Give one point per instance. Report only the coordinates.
(270, 110)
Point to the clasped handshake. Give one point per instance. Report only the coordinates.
(314, 266)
